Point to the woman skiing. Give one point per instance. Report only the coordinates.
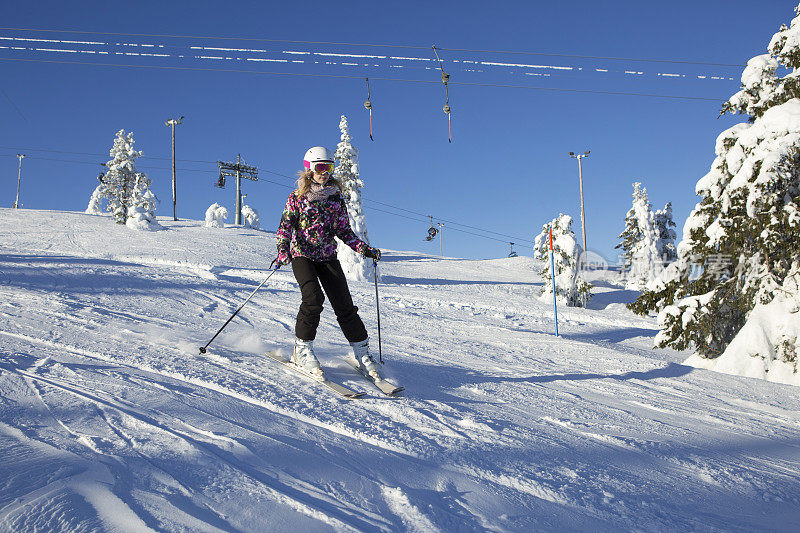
(315, 213)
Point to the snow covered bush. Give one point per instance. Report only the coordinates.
(250, 217)
(640, 256)
(356, 267)
(571, 288)
(216, 215)
(741, 243)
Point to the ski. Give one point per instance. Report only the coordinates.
(332, 385)
(385, 387)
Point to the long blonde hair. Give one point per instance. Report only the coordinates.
(305, 179)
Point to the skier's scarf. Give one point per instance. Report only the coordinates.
(317, 192)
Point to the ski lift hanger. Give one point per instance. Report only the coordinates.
(368, 105)
(432, 231)
(446, 108)
(512, 253)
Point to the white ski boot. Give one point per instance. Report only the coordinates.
(365, 361)
(303, 356)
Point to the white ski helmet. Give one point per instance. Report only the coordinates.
(317, 154)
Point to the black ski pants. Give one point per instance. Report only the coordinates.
(313, 277)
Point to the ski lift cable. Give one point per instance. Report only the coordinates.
(143, 156)
(340, 76)
(260, 169)
(194, 49)
(281, 184)
(373, 45)
(145, 166)
(445, 220)
(451, 228)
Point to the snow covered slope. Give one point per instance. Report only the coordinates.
(111, 419)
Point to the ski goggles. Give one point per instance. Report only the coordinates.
(322, 168)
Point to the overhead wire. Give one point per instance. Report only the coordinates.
(374, 45)
(465, 62)
(100, 155)
(341, 76)
(129, 47)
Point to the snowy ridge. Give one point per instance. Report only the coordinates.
(111, 419)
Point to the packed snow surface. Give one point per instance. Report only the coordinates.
(110, 418)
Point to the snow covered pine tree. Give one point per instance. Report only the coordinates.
(142, 207)
(355, 266)
(127, 190)
(666, 235)
(640, 255)
(741, 243)
(571, 288)
(630, 235)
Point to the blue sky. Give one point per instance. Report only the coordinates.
(507, 170)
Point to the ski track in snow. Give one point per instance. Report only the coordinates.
(111, 419)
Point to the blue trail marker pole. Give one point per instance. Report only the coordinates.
(553, 275)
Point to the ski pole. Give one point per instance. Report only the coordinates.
(203, 348)
(377, 308)
(553, 275)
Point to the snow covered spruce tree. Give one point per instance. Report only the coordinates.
(355, 265)
(741, 243)
(571, 288)
(123, 187)
(666, 235)
(640, 254)
(142, 206)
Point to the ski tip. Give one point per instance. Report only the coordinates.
(389, 389)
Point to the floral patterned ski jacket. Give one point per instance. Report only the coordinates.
(307, 229)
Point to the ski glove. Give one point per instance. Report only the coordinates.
(282, 259)
(373, 253)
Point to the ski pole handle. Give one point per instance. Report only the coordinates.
(203, 348)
